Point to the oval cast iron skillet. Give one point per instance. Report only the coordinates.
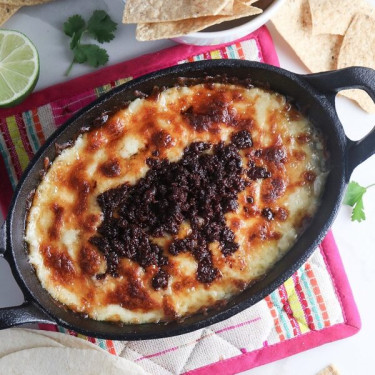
(314, 95)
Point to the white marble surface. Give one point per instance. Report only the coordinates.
(43, 24)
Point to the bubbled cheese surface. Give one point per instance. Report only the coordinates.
(65, 212)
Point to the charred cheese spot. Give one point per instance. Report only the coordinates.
(59, 263)
(309, 176)
(95, 140)
(114, 128)
(168, 308)
(89, 261)
(273, 189)
(131, 295)
(90, 222)
(276, 155)
(110, 168)
(282, 214)
(299, 155)
(89, 226)
(304, 138)
(214, 109)
(162, 139)
(81, 186)
(54, 231)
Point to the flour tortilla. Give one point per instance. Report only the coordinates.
(19, 339)
(142, 11)
(160, 30)
(7, 11)
(334, 16)
(63, 339)
(317, 52)
(63, 361)
(358, 49)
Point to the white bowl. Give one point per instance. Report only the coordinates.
(209, 38)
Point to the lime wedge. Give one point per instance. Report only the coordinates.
(19, 67)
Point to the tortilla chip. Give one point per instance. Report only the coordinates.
(228, 8)
(361, 98)
(329, 370)
(333, 16)
(317, 52)
(20, 3)
(249, 2)
(7, 11)
(358, 49)
(142, 11)
(161, 30)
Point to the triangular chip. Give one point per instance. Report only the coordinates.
(160, 30)
(333, 16)
(357, 50)
(317, 52)
(7, 11)
(329, 370)
(142, 11)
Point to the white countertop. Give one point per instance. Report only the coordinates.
(354, 355)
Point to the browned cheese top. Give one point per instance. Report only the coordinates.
(175, 203)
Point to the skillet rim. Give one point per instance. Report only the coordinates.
(227, 311)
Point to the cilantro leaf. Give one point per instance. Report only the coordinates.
(92, 54)
(75, 39)
(354, 193)
(358, 213)
(354, 198)
(74, 25)
(101, 26)
(79, 55)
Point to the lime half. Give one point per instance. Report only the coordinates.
(19, 67)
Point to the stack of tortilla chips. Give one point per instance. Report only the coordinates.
(331, 34)
(159, 19)
(9, 7)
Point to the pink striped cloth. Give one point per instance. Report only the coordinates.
(315, 306)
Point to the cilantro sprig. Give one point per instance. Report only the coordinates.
(354, 198)
(100, 27)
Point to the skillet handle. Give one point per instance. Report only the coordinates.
(28, 312)
(329, 84)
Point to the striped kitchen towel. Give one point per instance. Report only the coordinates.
(315, 306)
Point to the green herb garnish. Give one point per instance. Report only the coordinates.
(354, 198)
(100, 27)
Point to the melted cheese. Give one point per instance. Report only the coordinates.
(65, 213)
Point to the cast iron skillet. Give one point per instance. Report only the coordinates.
(314, 94)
